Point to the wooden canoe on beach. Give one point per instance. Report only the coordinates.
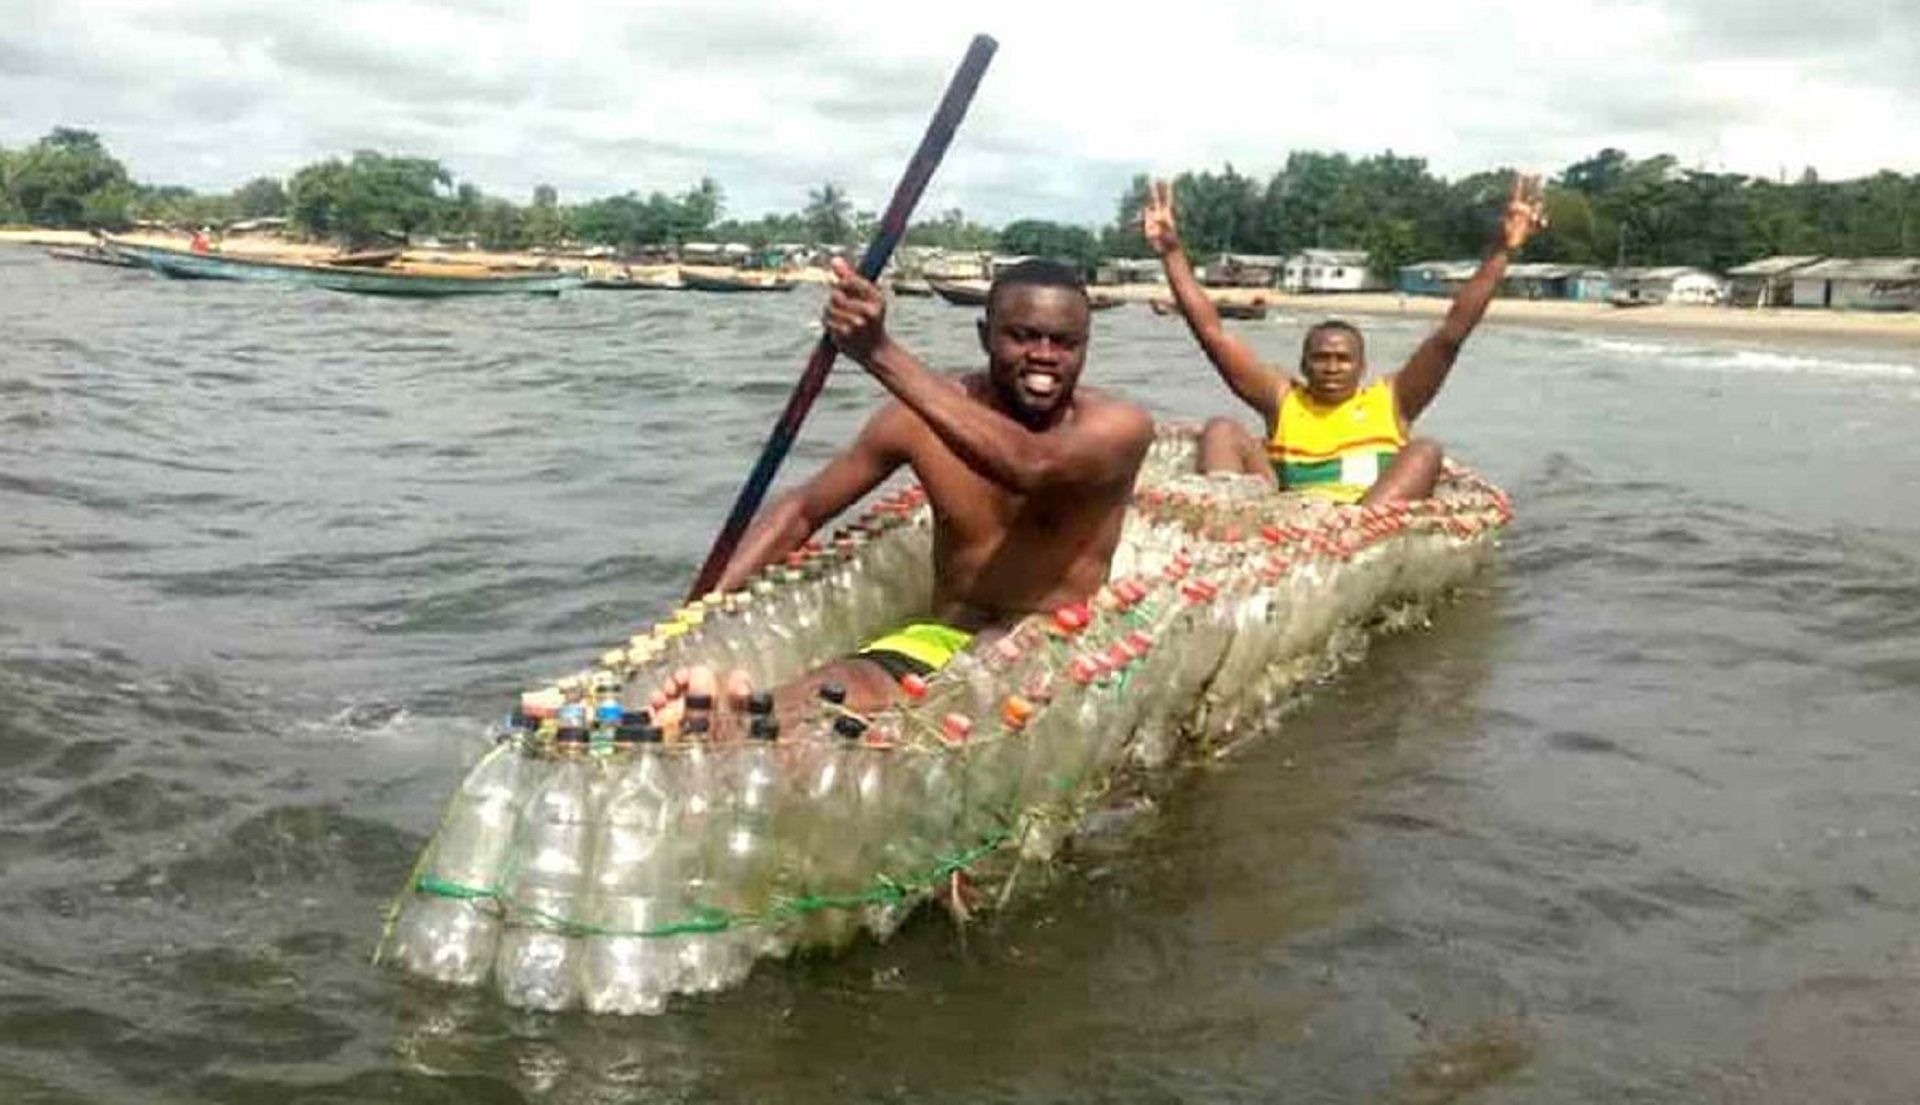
(393, 278)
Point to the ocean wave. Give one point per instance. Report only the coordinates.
(1630, 348)
(1723, 358)
(1754, 360)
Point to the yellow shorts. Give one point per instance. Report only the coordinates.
(918, 648)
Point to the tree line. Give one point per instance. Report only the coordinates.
(1609, 209)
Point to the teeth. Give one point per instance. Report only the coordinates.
(1039, 383)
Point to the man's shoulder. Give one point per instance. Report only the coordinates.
(1094, 400)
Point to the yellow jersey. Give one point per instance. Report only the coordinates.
(1336, 451)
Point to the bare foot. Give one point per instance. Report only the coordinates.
(686, 696)
(687, 704)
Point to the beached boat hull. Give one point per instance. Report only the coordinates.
(187, 265)
(94, 255)
(701, 282)
(961, 293)
(609, 874)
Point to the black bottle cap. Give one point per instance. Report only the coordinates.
(848, 726)
(764, 728)
(571, 735)
(760, 702)
(628, 731)
(699, 702)
(650, 734)
(695, 727)
(835, 693)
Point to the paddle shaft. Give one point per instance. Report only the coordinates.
(893, 226)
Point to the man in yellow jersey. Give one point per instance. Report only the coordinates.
(1329, 433)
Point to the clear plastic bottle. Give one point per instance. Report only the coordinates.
(742, 862)
(538, 953)
(450, 931)
(699, 821)
(633, 892)
(829, 860)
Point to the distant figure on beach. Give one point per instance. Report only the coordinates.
(1328, 432)
(1028, 476)
(200, 243)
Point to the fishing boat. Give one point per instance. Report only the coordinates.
(739, 281)
(1104, 301)
(960, 293)
(626, 280)
(585, 862)
(93, 255)
(911, 287)
(392, 278)
(1254, 309)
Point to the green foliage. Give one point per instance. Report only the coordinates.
(628, 222)
(67, 179)
(370, 198)
(954, 231)
(260, 198)
(764, 231)
(1610, 208)
(10, 211)
(829, 215)
(1039, 238)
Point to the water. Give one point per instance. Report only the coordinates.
(1634, 820)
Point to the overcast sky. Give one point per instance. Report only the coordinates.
(772, 97)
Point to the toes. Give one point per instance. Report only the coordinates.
(739, 689)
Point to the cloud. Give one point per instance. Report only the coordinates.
(773, 98)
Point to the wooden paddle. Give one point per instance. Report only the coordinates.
(893, 225)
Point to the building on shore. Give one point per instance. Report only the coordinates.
(1130, 270)
(1329, 270)
(1860, 284)
(1667, 284)
(1242, 270)
(1547, 280)
(1434, 277)
(715, 253)
(1767, 282)
(956, 264)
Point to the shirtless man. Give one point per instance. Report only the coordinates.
(1326, 434)
(1028, 476)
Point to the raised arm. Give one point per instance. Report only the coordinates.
(1257, 385)
(793, 517)
(1415, 385)
(1102, 444)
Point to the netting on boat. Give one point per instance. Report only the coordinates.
(577, 866)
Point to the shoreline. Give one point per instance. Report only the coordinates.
(1890, 328)
(1811, 325)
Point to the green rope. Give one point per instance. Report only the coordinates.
(706, 920)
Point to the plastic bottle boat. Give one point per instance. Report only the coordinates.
(585, 863)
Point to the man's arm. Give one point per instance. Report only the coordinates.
(1257, 385)
(794, 516)
(1103, 444)
(1415, 385)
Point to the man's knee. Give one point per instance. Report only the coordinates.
(1425, 450)
(1223, 429)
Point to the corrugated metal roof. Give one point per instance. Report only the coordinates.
(1771, 266)
(1443, 270)
(1659, 272)
(1863, 268)
(1332, 256)
(1543, 270)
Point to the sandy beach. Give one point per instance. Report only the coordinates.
(1802, 324)
(1894, 328)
